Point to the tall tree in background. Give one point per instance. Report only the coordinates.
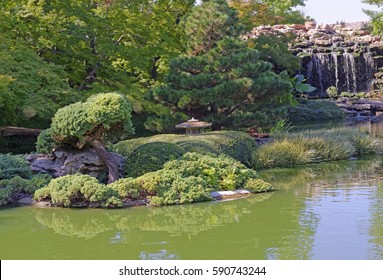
(375, 16)
(268, 12)
(221, 78)
(101, 44)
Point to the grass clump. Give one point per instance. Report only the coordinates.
(292, 149)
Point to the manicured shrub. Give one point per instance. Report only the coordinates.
(151, 157)
(14, 165)
(189, 179)
(236, 144)
(78, 189)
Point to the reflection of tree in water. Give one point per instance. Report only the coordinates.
(376, 229)
(176, 220)
(70, 224)
(193, 219)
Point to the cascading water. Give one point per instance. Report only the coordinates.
(342, 69)
(370, 69)
(350, 71)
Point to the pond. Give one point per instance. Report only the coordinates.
(322, 211)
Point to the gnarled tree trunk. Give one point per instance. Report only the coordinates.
(108, 158)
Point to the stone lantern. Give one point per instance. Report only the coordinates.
(193, 126)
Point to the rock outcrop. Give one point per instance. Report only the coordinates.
(344, 56)
(62, 162)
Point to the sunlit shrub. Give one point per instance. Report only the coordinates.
(78, 189)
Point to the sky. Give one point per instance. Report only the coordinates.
(331, 11)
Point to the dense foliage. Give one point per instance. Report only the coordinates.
(263, 12)
(78, 190)
(17, 180)
(31, 90)
(314, 111)
(190, 179)
(237, 145)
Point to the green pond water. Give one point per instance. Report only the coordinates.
(323, 211)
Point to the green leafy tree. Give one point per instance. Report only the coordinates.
(268, 12)
(375, 16)
(101, 44)
(31, 90)
(102, 117)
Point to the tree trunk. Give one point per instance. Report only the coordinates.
(108, 158)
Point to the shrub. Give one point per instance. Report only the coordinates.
(332, 92)
(14, 165)
(78, 189)
(257, 186)
(45, 143)
(151, 157)
(238, 145)
(17, 187)
(189, 179)
(314, 110)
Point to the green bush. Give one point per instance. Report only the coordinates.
(14, 165)
(189, 179)
(17, 186)
(257, 186)
(78, 189)
(236, 144)
(332, 92)
(45, 143)
(151, 157)
(314, 110)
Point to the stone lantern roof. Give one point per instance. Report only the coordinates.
(193, 126)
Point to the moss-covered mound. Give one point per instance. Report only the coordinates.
(237, 145)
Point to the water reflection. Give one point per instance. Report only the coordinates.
(322, 211)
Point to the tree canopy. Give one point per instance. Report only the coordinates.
(223, 79)
(101, 117)
(268, 12)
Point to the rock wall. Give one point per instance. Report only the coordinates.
(346, 57)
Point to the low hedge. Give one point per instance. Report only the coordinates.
(238, 145)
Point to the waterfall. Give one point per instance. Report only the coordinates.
(370, 69)
(350, 71)
(335, 59)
